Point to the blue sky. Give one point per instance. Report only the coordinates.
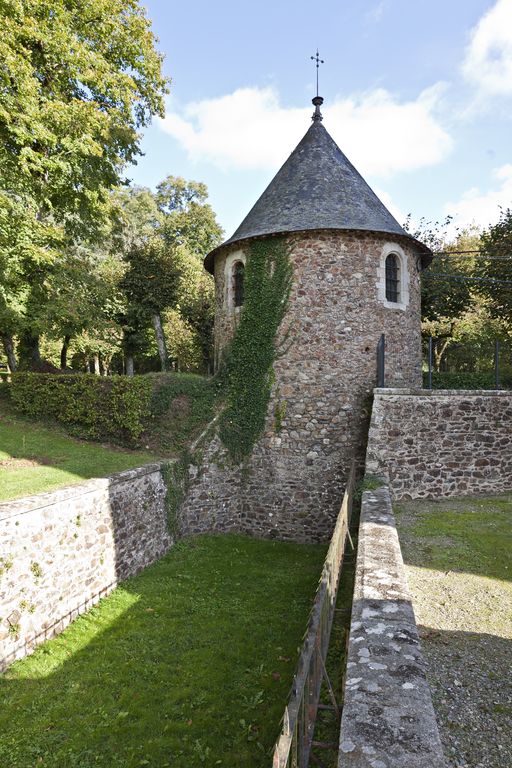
(417, 94)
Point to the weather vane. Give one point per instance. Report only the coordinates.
(318, 62)
(317, 101)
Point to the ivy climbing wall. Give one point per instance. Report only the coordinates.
(286, 476)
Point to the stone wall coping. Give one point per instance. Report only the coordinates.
(48, 498)
(442, 392)
(388, 717)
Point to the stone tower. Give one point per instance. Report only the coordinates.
(356, 275)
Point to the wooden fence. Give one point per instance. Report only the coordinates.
(293, 747)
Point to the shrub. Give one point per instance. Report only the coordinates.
(466, 380)
(92, 406)
(182, 405)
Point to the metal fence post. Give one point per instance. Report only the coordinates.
(430, 357)
(497, 364)
(381, 361)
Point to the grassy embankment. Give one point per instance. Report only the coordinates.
(188, 664)
(37, 456)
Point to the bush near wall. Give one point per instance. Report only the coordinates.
(94, 407)
(468, 380)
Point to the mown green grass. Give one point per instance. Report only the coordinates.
(56, 459)
(181, 407)
(188, 664)
(471, 534)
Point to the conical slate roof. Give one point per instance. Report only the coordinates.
(317, 188)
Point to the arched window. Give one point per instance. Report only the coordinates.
(238, 283)
(392, 278)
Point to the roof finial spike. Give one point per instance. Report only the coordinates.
(317, 101)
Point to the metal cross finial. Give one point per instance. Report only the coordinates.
(318, 62)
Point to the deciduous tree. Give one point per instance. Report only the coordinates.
(77, 82)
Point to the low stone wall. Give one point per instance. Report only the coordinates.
(388, 718)
(60, 552)
(431, 443)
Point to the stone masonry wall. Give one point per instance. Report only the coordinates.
(388, 718)
(291, 487)
(60, 552)
(441, 443)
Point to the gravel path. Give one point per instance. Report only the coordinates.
(465, 624)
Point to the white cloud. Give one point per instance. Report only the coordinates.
(483, 208)
(249, 129)
(244, 129)
(390, 204)
(488, 59)
(384, 136)
(375, 14)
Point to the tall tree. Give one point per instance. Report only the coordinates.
(163, 239)
(450, 299)
(496, 267)
(151, 286)
(189, 221)
(78, 80)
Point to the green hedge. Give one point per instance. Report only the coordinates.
(445, 380)
(92, 406)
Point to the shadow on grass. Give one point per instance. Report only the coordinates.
(187, 664)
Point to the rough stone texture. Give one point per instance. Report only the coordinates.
(64, 550)
(292, 484)
(441, 443)
(388, 719)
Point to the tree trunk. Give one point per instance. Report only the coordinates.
(9, 351)
(64, 352)
(129, 365)
(96, 364)
(440, 348)
(160, 340)
(29, 350)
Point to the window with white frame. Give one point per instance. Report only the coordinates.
(238, 283)
(393, 277)
(392, 267)
(234, 281)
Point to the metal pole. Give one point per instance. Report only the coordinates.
(497, 364)
(381, 359)
(430, 357)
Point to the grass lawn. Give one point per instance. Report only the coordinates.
(38, 456)
(34, 458)
(458, 555)
(188, 664)
(470, 534)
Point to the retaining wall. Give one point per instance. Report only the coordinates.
(431, 443)
(60, 552)
(388, 718)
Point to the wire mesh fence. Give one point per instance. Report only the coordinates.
(483, 364)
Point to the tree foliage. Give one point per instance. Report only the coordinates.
(78, 82)
(461, 312)
(496, 264)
